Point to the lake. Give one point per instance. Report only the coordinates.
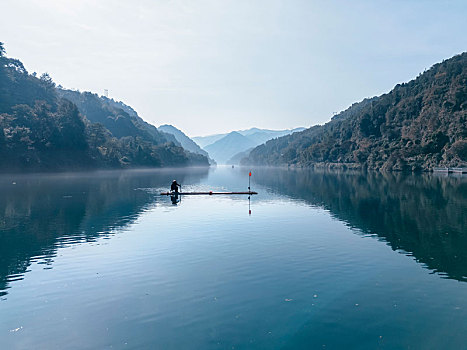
(325, 260)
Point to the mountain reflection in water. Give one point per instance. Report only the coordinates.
(421, 215)
(40, 213)
(112, 263)
(425, 215)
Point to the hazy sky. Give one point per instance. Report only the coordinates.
(212, 66)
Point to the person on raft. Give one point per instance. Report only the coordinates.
(174, 187)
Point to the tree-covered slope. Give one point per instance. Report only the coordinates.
(121, 120)
(42, 131)
(184, 140)
(417, 126)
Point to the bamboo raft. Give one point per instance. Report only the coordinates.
(209, 193)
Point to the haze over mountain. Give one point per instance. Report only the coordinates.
(223, 149)
(266, 134)
(187, 143)
(417, 126)
(204, 141)
(45, 128)
(227, 146)
(237, 158)
(184, 140)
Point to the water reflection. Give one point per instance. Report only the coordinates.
(39, 213)
(175, 199)
(421, 215)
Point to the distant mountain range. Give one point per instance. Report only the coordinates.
(225, 148)
(417, 126)
(204, 141)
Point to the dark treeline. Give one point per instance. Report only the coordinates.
(39, 213)
(43, 128)
(423, 215)
(417, 126)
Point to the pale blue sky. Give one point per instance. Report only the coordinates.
(213, 66)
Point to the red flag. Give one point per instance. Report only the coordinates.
(250, 173)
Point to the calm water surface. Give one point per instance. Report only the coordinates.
(325, 261)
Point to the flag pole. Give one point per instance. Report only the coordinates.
(249, 191)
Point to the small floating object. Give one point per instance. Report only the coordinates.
(209, 193)
(16, 329)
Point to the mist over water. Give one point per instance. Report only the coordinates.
(334, 259)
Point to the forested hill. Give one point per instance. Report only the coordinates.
(40, 130)
(417, 126)
(184, 140)
(121, 120)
